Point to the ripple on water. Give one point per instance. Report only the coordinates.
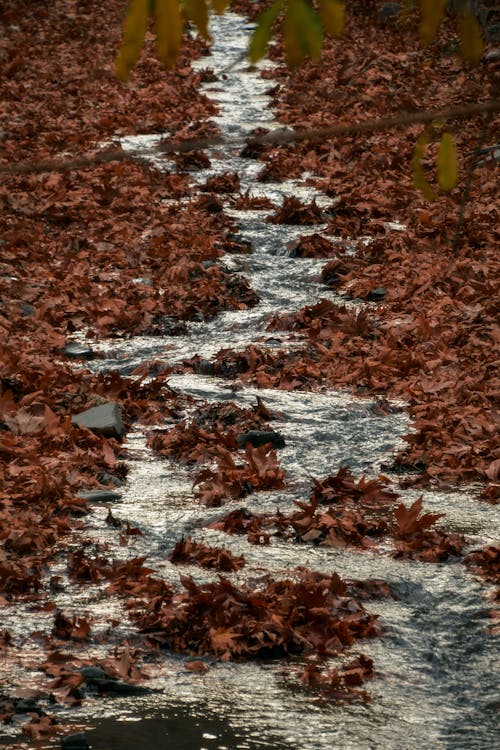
(435, 686)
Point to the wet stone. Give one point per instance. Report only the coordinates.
(27, 310)
(76, 741)
(261, 437)
(99, 496)
(78, 351)
(376, 294)
(204, 367)
(389, 10)
(103, 420)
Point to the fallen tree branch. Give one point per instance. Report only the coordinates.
(279, 137)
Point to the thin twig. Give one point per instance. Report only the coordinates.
(279, 137)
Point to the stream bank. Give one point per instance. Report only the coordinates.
(435, 629)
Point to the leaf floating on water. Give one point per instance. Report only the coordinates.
(408, 520)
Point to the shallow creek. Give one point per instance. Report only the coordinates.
(436, 682)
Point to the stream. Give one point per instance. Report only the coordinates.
(436, 683)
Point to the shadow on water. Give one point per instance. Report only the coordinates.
(179, 730)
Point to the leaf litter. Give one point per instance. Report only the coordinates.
(433, 342)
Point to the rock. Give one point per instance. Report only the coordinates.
(98, 679)
(376, 294)
(103, 420)
(99, 496)
(492, 32)
(389, 10)
(204, 367)
(76, 741)
(94, 674)
(27, 310)
(78, 351)
(261, 437)
(106, 478)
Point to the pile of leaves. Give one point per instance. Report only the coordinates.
(197, 553)
(232, 479)
(360, 514)
(313, 614)
(209, 427)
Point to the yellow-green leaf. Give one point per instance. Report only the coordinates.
(447, 163)
(431, 15)
(419, 179)
(261, 36)
(220, 5)
(303, 33)
(197, 12)
(135, 25)
(332, 14)
(471, 37)
(168, 26)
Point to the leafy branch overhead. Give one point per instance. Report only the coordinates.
(304, 26)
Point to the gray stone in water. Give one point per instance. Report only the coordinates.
(389, 10)
(27, 310)
(204, 367)
(103, 420)
(78, 351)
(76, 741)
(261, 437)
(376, 294)
(99, 496)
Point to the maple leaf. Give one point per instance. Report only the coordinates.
(224, 641)
(408, 521)
(196, 666)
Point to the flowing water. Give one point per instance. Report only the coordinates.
(436, 684)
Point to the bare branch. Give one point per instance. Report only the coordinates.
(282, 136)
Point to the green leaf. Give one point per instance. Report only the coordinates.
(419, 179)
(431, 15)
(261, 36)
(447, 164)
(168, 26)
(303, 33)
(197, 12)
(135, 25)
(220, 6)
(471, 37)
(332, 14)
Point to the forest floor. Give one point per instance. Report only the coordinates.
(73, 243)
